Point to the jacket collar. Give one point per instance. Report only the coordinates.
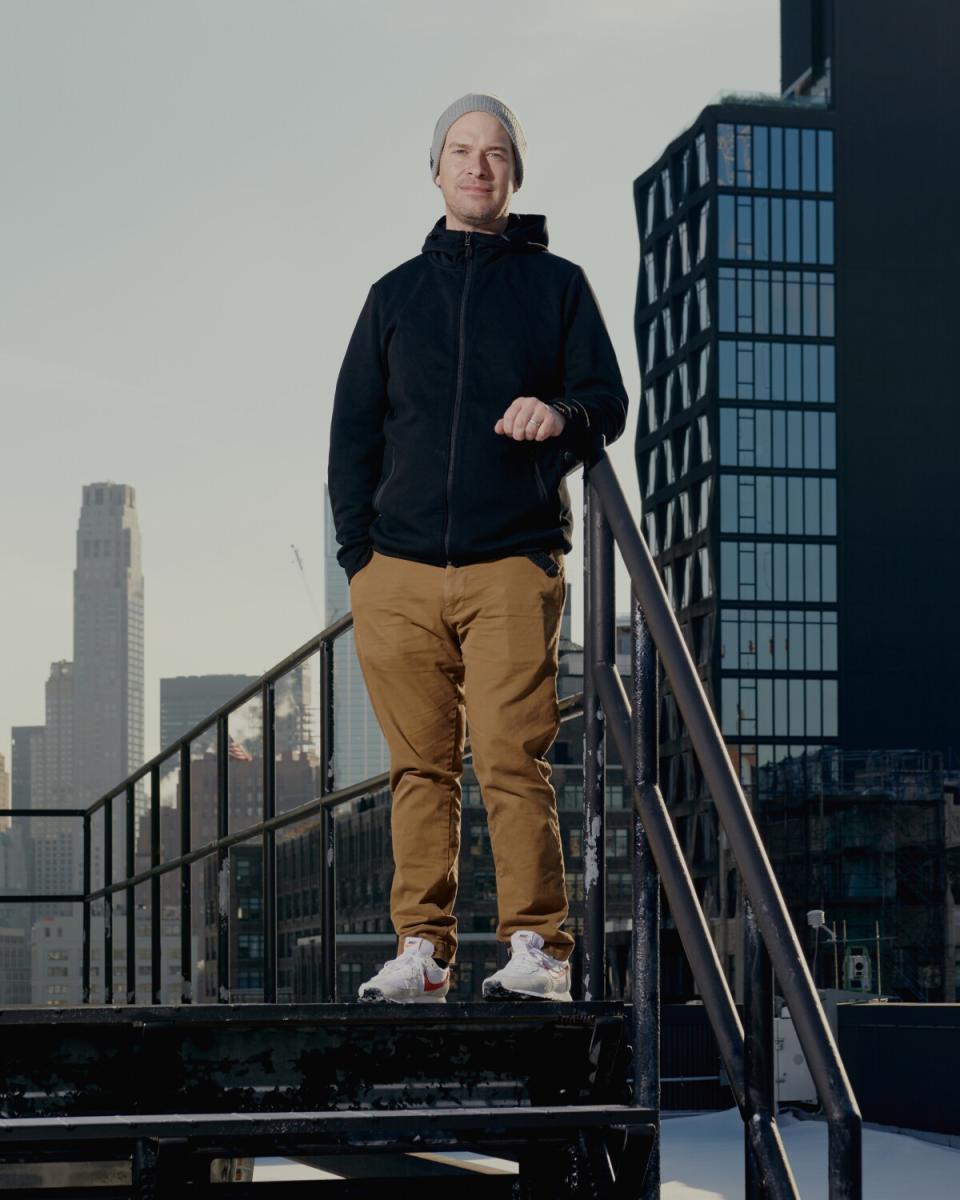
(524, 234)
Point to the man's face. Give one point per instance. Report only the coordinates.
(477, 171)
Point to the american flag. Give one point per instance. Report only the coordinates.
(238, 753)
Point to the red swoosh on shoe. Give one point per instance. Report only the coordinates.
(432, 987)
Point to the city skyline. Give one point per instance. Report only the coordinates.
(177, 298)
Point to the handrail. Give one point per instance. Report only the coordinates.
(773, 920)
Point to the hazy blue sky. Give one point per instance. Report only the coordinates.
(195, 198)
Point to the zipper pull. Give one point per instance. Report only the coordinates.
(468, 236)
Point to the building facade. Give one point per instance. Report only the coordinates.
(108, 600)
(794, 362)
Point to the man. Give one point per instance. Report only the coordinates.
(478, 375)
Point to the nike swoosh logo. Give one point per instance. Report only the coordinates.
(432, 987)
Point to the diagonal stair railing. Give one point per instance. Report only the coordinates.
(770, 937)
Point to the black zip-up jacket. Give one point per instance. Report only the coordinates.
(445, 342)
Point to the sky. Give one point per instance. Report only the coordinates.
(195, 198)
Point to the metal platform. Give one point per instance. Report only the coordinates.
(170, 1089)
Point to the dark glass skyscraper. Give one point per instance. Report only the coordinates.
(796, 444)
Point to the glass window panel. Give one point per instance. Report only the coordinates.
(814, 710)
(730, 690)
(703, 372)
(704, 228)
(726, 295)
(762, 427)
(746, 498)
(764, 501)
(826, 231)
(728, 369)
(829, 573)
(808, 150)
(765, 707)
(794, 439)
(778, 375)
(665, 183)
(792, 239)
(826, 306)
(651, 277)
(776, 158)
(794, 505)
(744, 227)
(825, 148)
(760, 172)
(745, 301)
(811, 360)
(811, 440)
(729, 639)
(795, 554)
(829, 708)
(725, 230)
(745, 370)
(725, 156)
(764, 640)
(729, 576)
(683, 235)
(778, 588)
(827, 375)
(780, 707)
(745, 447)
(651, 208)
(777, 302)
(703, 171)
(744, 172)
(811, 571)
(795, 645)
(761, 301)
(810, 231)
(761, 360)
(779, 436)
(794, 379)
(811, 505)
(829, 633)
(811, 298)
(797, 722)
(793, 303)
(776, 229)
(705, 452)
(728, 503)
(703, 303)
(828, 441)
(779, 504)
(761, 227)
(791, 160)
(829, 498)
(706, 583)
(813, 656)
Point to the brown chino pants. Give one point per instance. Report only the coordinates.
(441, 649)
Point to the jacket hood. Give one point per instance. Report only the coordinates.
(524, 234)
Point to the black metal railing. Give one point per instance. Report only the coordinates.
(771, 942)
(769, 933)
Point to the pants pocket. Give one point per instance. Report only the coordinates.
(545, 561)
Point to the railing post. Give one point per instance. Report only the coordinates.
(599, 645)
(186, 891)
(130, 835)
(328, 833)
(645, 1010)
(85, 952)
(758, 1060)
(269, 867)
(108, 901)
(223, 863)
(156, 907)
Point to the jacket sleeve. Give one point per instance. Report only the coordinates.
(594, 400)
(355, 458)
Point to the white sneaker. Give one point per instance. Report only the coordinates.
(530, 974)
(411, 978)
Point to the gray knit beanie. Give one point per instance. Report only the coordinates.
(479, 102)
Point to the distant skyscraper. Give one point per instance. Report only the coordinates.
(107, 641)
(185, 700)
(358, 745)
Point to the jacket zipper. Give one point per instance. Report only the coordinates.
(540, 484)
(378, 495)
(456, 402)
